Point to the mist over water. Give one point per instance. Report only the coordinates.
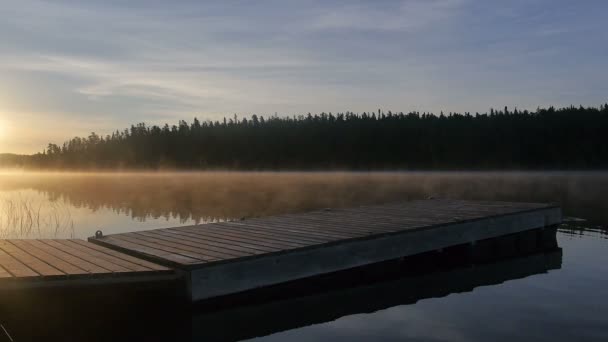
(35, 205)
(557, 294)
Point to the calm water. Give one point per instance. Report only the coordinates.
(558, 294)
(564, 304)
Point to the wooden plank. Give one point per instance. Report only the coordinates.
(231, 251)
(230, 231)
(415, 217)
(335, 225)
(167, 247)
(345, 229)
(157, 254)
(282, 234)
(108, 265)
(352, 226)
(447, 205)
(259, 244)
(127, 258)
(33, 247)
(295, 229)
(421, 212)
(16, 267)
(372, 226)
(102, 256)
(45, 262)
(233, 242)
(158, 246)
(293, 224)
(226, 231)
(39, 266)
(82, 264)
(188, 245)
(188, 251)
(434, 206)
(4, 273)
(282, 239)
(247, 225)
(342, 224)
(422, 215)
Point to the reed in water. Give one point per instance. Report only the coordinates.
(23, 217)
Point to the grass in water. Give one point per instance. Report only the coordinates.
(23, 217)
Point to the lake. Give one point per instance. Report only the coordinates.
(558, 294)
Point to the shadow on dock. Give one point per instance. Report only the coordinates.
(157, 312)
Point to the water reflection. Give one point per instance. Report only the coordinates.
(158, 313)
(582, 229)
(389, 301)
(136, 201)
(370, 289)
(23, 214)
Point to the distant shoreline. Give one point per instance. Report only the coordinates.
(570, 138)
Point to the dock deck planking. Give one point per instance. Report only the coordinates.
(4, 273)
(39, 263)
(253, 243)
(198, 247)
(284, 232)
(299, 230)
(33, 263)
(74, 260)
(138, 263)
(105, 260)
(212, 250)
(258, 246)
(32, 247)
(203, 241)
(260, 233)
(15, 267)
(170, 258)
(229, 257)
(169, 247)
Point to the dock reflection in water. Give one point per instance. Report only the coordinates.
(158, 313)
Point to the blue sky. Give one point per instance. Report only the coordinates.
(71, 67)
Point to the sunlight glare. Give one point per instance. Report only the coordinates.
(2, 129)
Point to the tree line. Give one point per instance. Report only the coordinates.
(564, 138)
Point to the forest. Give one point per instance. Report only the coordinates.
(548, 138)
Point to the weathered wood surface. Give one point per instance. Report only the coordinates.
(186, 247)
(230, 257)
(48, 260)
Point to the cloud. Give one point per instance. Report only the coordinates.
(113, 63)
(407, 15)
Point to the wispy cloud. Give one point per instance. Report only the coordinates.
(110, 63)
(406, 15)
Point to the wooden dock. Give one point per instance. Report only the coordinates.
(43, 263)
(319, 305)
(59, 314)
(231, 257)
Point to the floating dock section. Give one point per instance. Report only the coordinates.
(28, 264)
(226, 258)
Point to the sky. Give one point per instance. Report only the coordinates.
(70, 67)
